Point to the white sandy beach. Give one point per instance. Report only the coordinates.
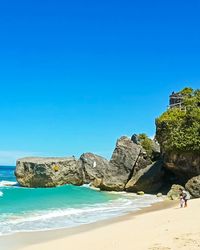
(153, 229)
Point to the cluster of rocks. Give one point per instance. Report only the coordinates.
(130, 169)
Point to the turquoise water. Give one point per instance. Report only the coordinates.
(20, 200)
(30, 209)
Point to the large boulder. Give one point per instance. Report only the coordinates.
(48, 172)
(130, 163)
(100, 173)
(121, 165)
(183, 165)
(125, 155)
(94, 167)
(174, 193)
(148, 179)
(193, 186)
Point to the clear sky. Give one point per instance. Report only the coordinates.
(77, 75)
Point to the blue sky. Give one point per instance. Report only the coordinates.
(76, 75)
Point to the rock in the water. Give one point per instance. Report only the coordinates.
(48, 172)
(174, 193)
(96, 183)
(193, 186)
(159, 195)
(111, 183)
(94, 167)
(100, 173)
(183, 165)
(140, 193)
(149, 179)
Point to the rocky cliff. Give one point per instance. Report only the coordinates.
(184, 165)
(178, 132)
(131, 168)
(137, 163)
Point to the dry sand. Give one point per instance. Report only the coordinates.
(152, 229)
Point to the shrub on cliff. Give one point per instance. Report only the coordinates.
(146, 143)
(178, 129)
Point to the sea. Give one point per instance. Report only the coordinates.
(40, 209)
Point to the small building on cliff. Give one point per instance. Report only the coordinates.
(176, 101)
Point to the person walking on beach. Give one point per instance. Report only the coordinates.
(184, 197)
(182, 201)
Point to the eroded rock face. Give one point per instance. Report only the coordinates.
(131, 169)
(148, 179)
(48, 172)
(183, 165)
(130, 164)
(126, 154)
(155, 147)
(193, 186)
(121, 165)
(142, 162)
(94, 167)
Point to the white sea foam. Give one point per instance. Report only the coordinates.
(1, 193)
(7, 183)
(71, 217)
(86, 185)
(90, 187)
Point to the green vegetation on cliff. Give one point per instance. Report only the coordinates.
(178, 129)
(146, 143)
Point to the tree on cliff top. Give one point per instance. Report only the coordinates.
(179, 129)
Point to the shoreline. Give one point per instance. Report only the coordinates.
(24, 240)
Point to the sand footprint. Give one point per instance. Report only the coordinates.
(188, 241)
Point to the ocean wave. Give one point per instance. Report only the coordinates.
(71, 217)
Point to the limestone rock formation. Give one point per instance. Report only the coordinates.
(94, 167)
(121, 165)
(183, 165)
(125, 155)
(132, 169)
(48, 172)
(142, 162)
(148, 179)
(177, 131)
(130, 163)
(174, 193)
(193, 186)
